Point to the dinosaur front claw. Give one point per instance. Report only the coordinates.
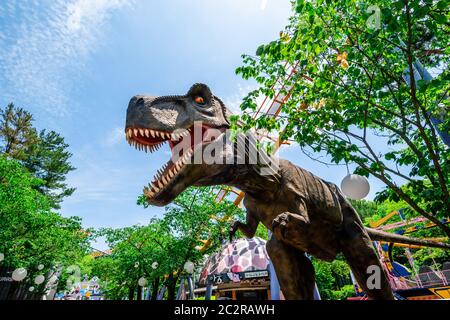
(279, 225)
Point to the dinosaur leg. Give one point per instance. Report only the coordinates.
(366, 267)
(294, 270)
(357, 248)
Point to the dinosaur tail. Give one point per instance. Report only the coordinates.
(378, 235)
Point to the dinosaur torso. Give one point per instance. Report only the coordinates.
(300, 192)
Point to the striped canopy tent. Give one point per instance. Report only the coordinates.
(240, 255)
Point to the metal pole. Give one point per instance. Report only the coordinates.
(316, 293)
(209, 289)
(274, 284)
(180, 289)
(161, 293)
(191, 288)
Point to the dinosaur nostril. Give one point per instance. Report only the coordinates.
(140, 101)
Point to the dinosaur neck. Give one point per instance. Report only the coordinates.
(250, 170)
(249, 179)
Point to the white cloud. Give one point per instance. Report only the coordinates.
(115, 136)
(263, 4)
(44, 46)
(98, 178)
(233, 102)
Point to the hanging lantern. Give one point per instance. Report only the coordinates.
(19, 274)
(142, 282)
(189, 267)
(39, 279)
(355, 187)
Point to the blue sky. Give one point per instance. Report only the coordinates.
(75, 64)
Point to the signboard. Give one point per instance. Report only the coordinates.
(256, 274)
(237, 277)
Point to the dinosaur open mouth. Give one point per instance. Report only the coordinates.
(150, 140)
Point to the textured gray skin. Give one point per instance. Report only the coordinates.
(304, 212)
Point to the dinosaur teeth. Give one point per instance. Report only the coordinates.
(175, 136)
(135, 131)
(147, 134)
(149, 193)
(155, 187)
(141, 131)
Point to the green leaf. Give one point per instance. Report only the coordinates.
(261, 50)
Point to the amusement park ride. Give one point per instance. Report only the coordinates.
(422, 284)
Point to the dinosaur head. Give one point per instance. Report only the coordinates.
(189, 124)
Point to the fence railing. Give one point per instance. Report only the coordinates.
(422, 280)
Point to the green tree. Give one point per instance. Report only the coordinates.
(49, 161)
(170, 241)
(333, 279)
(371, 212)
(44, 154)
(16, 132)
(30, 233)
(196, 215)
(354, 83)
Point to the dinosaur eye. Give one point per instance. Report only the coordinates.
(200, 100)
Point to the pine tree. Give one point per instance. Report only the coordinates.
(49, 161)
(17, 132)
(45, 154)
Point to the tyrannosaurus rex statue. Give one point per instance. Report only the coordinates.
(304, 212)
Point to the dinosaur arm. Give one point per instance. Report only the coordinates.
(248, 228)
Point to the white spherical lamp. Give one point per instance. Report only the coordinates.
(142, 282)
(355, 187)
(39, 279)
(19, 274)
(189, 267)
